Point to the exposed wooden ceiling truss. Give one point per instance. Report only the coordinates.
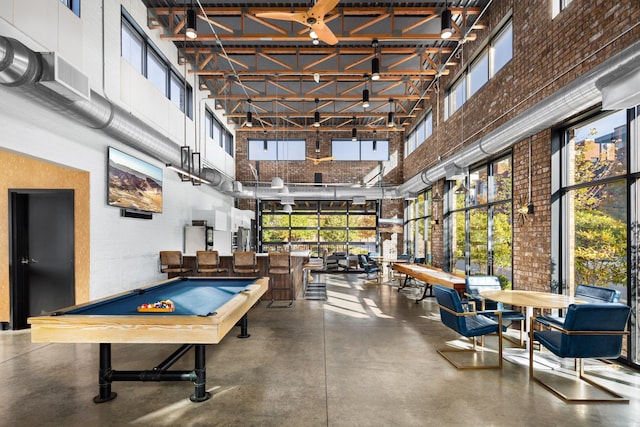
(238, 57)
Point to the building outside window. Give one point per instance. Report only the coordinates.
(74, 5)
(319, 227)
(147, 59)
(484, 66)
(596, 214)
(479, 221)
(417, 233)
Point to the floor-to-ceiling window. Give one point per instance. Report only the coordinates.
(417, 231)
(593, 210)
(479, 221)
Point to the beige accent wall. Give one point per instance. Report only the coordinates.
(20, 172)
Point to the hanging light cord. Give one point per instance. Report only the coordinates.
(229, 62)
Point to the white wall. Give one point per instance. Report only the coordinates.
(124, 251)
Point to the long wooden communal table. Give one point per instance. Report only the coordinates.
(430, 276)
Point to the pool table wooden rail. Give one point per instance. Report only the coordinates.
(146, 328)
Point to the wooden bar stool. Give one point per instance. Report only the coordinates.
(244, 262)
(171, 263)
(280, 265)
(208, 262)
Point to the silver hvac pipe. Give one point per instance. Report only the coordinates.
(22, 67)
(18, 64)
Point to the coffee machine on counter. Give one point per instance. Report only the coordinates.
(198, 237)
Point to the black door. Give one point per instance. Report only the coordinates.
(42, 253)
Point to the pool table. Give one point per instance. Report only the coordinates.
(206, 309)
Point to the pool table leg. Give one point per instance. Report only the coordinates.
(243, 323)
(104, 375)
(200, 394)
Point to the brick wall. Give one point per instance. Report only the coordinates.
(547, 55)
(304, 171)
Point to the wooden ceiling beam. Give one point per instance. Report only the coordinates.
(326, 99)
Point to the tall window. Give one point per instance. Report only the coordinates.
(594, 188)
(596, 215)
(144, 57)
(479, 218)
(417, 136)
(419, 218)
(483, 67)
(217, 133)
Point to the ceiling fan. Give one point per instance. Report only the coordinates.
(316, 161)
(312, 18)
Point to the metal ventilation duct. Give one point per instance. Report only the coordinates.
(22, 67)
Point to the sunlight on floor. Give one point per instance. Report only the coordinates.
(351, 305)
(171, 414)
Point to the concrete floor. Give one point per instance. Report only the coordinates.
(365, 357)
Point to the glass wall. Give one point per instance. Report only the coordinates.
(319, 227)
(596, 211)
(479, 220)
(417, 231)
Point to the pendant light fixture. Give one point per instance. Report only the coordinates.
(375, 62)
(374, 143)
(265, 143)
(317, 141)
(316, 115)
(365, 93)
(446, 30)
(277, 182)
(249, 121)
(191, 23)
(354, 131)
(390, 119)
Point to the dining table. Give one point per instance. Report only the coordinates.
(530, 300)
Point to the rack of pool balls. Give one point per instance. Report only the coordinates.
(164, 306)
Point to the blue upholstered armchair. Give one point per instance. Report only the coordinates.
(470, 324)
(369, 268)
(589, 331)
(477, 284)
(589, 294)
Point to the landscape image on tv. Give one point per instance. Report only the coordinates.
(133, 184)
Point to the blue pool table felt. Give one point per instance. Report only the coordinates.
(191, 296)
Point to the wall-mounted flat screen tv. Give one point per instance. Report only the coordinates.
(133, 184)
